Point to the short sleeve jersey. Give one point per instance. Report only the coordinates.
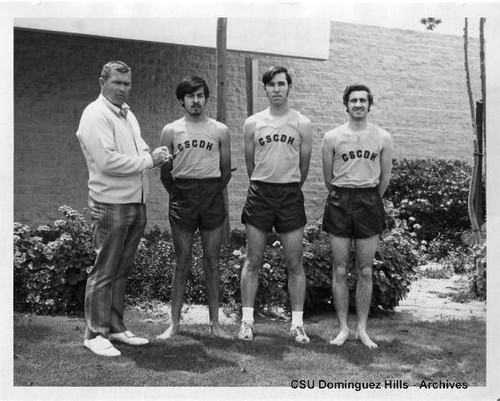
(197, 149)
(277, 148)
(356, 163)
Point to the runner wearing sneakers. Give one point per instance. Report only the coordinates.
(277, 143)
(357, 163)
(195, 181)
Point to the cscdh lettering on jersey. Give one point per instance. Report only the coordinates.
(195, 143)
(359, 154)
(276, 138)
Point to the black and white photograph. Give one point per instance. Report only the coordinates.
(250, 200)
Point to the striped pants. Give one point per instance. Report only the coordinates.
(117, 232)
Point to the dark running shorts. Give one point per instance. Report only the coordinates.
(354, 213)
(197, 203)
(274, 205)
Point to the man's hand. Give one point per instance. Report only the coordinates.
(160, 155)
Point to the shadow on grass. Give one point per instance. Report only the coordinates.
(193, 351)
(187, 357)
(49, 351)
(196, 351)
(35, 332)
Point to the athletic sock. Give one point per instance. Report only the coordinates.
(247, 314)
(297, 318)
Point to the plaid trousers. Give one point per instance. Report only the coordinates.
(117, 229)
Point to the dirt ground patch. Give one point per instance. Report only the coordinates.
(190, 314)
(433, 299)
(429, 299)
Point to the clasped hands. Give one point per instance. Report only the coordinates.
(160, 156)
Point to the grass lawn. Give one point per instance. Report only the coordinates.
(48, 351)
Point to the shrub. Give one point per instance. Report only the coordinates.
(439, 248)
(393, 269)
(273, 277)
(151, 274)
(232, 260)
(428, 221)
(394, 266)
(51, 264)
(432, 196)
(477, 271)
(154, 264)
(317, 261)
(470, 260)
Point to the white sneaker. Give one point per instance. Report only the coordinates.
(246, 331)
(101, 346)
(127, 337)
(298, 333)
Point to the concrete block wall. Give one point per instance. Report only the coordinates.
(417, 78)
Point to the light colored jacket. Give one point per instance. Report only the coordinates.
(117, 157)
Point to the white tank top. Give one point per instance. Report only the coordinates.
(277, 148)
(197, 147)
(356, 163)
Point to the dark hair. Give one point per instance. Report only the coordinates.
(354, 88)
(119, 66)
(191, 84)
(271, 72)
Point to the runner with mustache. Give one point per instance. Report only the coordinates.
(357, 163)
(195, 180)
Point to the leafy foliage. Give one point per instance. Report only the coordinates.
(51, 264)
(151, 274)
(393, 269)
(431, 196)
(427, 220)
(395, 264)
(471, 261)
(477, 272)
(155, 262)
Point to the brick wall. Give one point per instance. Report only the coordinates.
(417, 78)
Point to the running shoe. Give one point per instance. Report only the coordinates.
(246, 331)
(298, 333)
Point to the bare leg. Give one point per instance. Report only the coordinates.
(256, 242)
(341, 248)
(292, 250)
(211, 241)
(365, 253)
(183, 241)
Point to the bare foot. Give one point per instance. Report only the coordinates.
(340, 339)
(217, 331)
(169, 333)
(363, 337)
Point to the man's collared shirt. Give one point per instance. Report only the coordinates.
(117, 156)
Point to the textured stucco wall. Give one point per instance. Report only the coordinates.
(417, 78)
